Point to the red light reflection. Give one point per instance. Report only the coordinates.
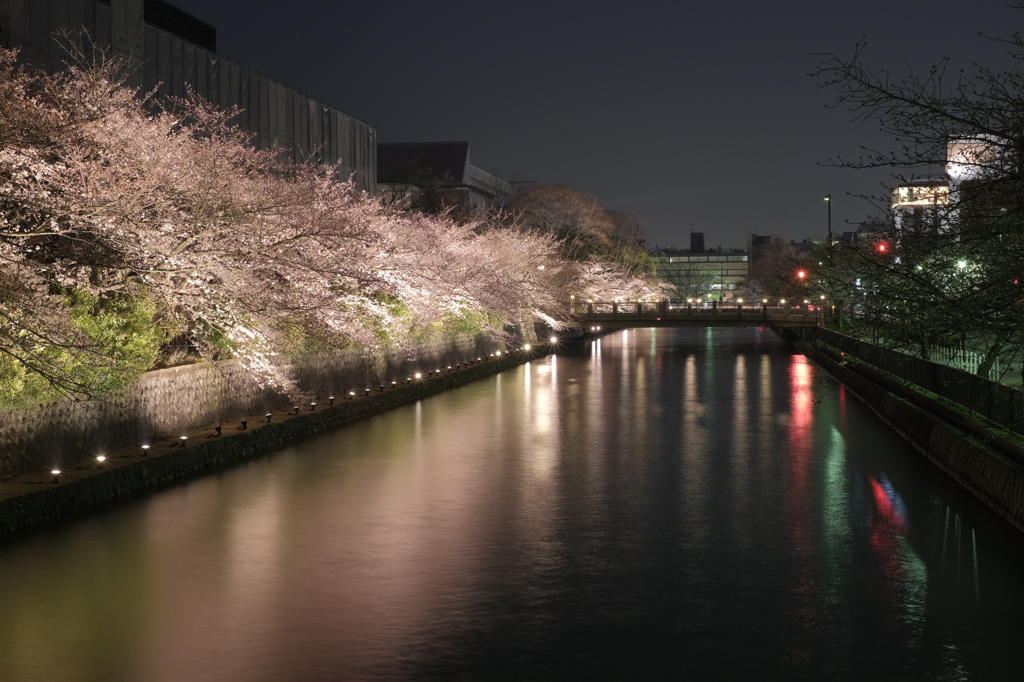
(798, 504)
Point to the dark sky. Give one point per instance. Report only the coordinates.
(697, 117)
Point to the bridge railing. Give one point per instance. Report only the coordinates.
(676, 308)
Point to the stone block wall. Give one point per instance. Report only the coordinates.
(179, 399)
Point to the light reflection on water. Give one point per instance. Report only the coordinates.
(701, 504)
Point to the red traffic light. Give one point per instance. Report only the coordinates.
(882, 247)
(801, 274)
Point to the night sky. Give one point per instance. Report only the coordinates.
(697, 117)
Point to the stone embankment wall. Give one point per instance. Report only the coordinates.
(180, 399)
(974, 453)
(30, 499)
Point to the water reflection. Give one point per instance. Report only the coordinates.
(701, 503)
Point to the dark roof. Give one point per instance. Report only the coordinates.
(932, 181)
(413, 162)
(177, 21)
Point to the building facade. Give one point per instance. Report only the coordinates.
(169, 50)
(933, 203)
(710, 276)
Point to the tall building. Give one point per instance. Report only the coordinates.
(171, 49)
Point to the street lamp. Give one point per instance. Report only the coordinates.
(828, 202)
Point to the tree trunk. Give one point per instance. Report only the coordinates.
(990, 358)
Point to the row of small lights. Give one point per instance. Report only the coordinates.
(700, 300)
(740, 300)
(183, 440)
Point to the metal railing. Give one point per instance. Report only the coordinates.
(682, 312)
(996, 401)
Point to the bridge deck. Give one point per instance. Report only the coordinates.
(669, 314)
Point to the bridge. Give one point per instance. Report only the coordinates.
(801, 319)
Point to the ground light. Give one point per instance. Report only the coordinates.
(217, 429)
(101, 458)
(182, 440)
(56, 474)
(243, 425)
(145, 450)
(269, 416)
(312, 406)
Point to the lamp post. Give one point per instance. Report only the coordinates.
(828, 202)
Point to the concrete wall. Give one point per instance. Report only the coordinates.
(996, 478)
(31, 499)
(179, 399)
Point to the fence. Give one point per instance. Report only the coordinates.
(998, 402)
(967, 360)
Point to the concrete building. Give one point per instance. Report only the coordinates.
(171, 49)
(711, 276)
(933, 203)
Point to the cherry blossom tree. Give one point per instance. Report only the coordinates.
(125, 224)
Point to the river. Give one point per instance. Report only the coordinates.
(662, 504)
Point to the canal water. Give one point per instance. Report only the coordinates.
(662, 505)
